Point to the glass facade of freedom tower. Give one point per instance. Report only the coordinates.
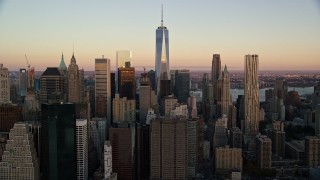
(162, 56)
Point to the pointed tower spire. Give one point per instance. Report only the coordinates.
(161, 15)
(62, 65)
(225, 68)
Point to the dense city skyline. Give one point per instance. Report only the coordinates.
(278, 31)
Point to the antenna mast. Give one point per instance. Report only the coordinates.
(161, 15)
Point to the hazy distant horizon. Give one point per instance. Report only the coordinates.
(285, 34)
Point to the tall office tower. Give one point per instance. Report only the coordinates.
(64, 72)
(192, 133)
(215, 74)
(146, 97)
(9, 114)
(278, 141)
(97, 131)
(263, 150)
(312, 151)
(58, 141)
(192, 103)
(228, 159)
(173, 80)
(30, 79)
(152, 77)
(316, 95)
(126, 81)
(232, 117)
(123, 145)
(108, 173)
(220, 138)
(226, 99)
(5, 87)
(200, 141)
(74, 90)
(168, 148)
(251, 95)
(280, 88)
(19, 160)
(81, 85)
(182, 85)
(123, 110)
(103, 89)
(240, 111)
(52, 86)
(167, 104)
(82, 148)
(113, 89)
(162, 58)
(23, 82)
(123, 56)
(235, 138)
(143, 152)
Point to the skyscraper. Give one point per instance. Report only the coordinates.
(5, 87)
(226, 99)
(126, 81)
(123, 110)
(251, 95)
(169, 148)
(123, 56)
(182, 85)
(103, 88)
(215, 74)
(263, 150)
(122, 140)
(146, 97)
(19, 160)
(108, 173)
(52, 86)
(162, 56)
(9, 114)
(74, 89)
(58, 141)
(82, 149)
(23, 82)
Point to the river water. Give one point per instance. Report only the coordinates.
(302, 92)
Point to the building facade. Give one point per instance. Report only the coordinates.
(5, 86)
(228, 159)
(162, 56)
(168, 148)
(182, 85)
(74, 89)
(226, 99)
(82, 148)
(251, 95)
(127, 81)
(215, 74)
(52, 87)
(264, 151)
(19, 160)
(123, 110)
(103, 89)
(58, 141)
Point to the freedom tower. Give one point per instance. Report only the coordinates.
(162, 60)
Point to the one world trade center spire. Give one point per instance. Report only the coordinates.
(162, 60)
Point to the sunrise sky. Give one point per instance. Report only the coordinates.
(285, 34)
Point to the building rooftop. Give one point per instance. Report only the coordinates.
(51, 71)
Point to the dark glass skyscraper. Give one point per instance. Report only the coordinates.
(58, 141)
(162, 55)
